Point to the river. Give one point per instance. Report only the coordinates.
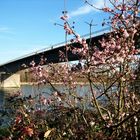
(33, 90)
(46, 90)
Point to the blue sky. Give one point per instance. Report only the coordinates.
(28, 25)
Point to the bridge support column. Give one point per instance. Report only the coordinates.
(10, 80)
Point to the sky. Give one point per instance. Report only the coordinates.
(27, 26)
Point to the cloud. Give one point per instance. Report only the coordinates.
(81, 11)
(4, 29)
(86, 9)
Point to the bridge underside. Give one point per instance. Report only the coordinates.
(52, 56)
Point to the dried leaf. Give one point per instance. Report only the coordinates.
(47, 133)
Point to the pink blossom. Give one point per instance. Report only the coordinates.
(43, 100)
(64, 17)
(118, 47)
(125, 34)
(32, 63)
(106, 9)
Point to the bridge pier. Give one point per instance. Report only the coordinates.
(9, 80)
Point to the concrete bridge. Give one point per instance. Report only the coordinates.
(8, 71)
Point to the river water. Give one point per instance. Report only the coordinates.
(46, 90)
(34, 90)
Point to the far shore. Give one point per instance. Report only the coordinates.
(60, 83)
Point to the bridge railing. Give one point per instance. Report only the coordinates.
(57, 45)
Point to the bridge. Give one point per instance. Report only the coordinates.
(8, 76)
(51, 53)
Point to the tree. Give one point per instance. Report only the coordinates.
(111, 68)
